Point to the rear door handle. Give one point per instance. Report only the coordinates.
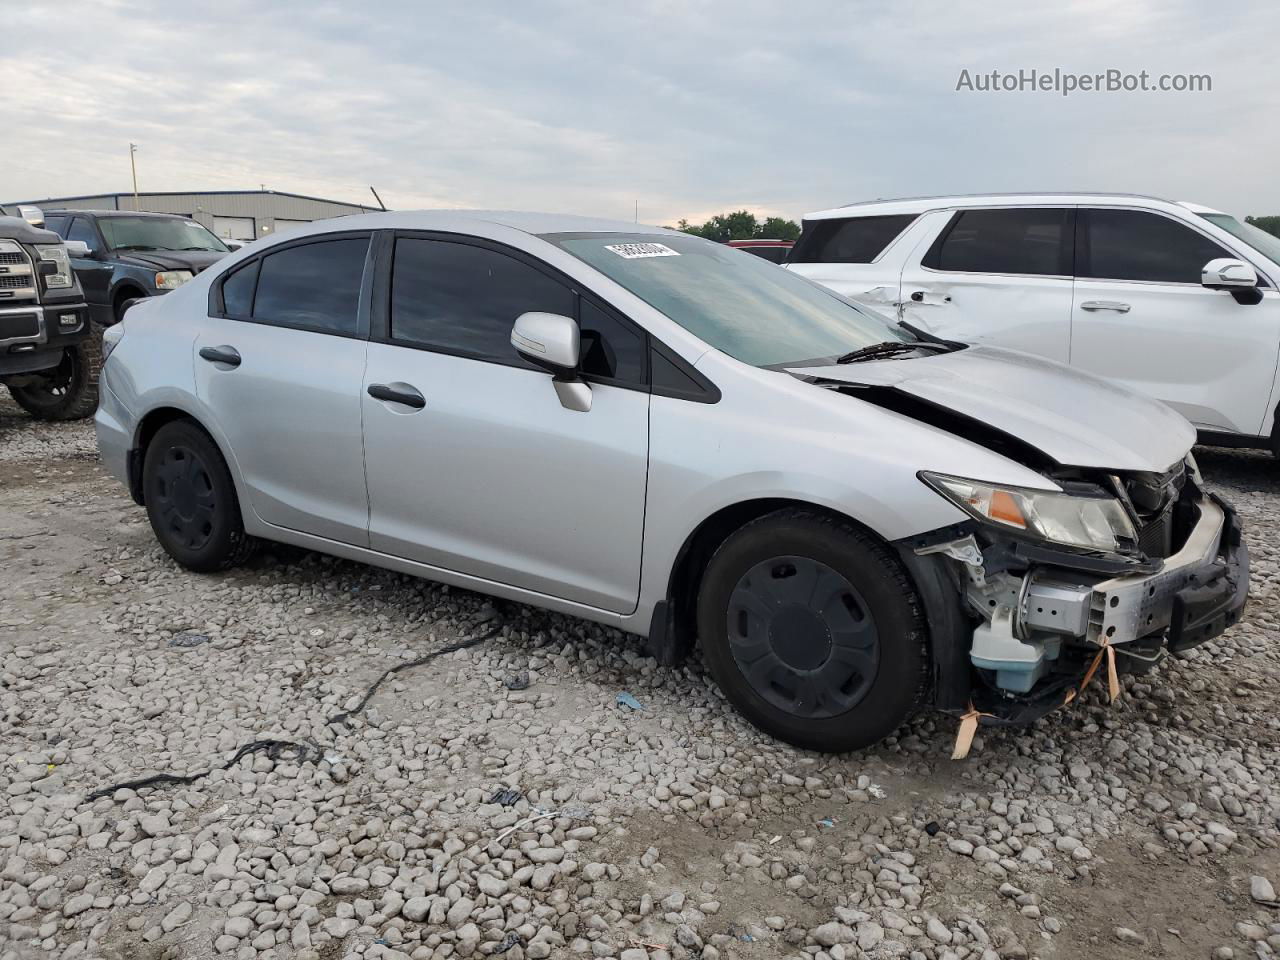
(223, 354)
(1116, 305)
(398, 393)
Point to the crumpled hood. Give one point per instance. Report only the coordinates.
(193, 260)
(1075, 418)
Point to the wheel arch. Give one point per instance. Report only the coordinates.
(148, 426)
(673, 630)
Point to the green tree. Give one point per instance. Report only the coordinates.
(1269, 224)
(742, 225)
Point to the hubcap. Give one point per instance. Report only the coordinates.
(803, 637)
(184, 497)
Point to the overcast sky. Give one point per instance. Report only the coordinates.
(688, 108)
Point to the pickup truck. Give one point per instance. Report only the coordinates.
(49, 349)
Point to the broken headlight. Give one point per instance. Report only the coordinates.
(1091, 523)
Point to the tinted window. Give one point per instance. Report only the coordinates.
(610, 347)
(237, 291)
(772, 254)
(464, 299)
(316, 286)
(81, 229)
(1030, 241)
(57, 224)
(1132, 245)
(856, 240)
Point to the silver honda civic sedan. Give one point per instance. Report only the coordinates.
(852, 518)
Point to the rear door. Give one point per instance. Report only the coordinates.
(279, 363)
(1142, 318)
(997, 275)
(485, 473)
(854, 255)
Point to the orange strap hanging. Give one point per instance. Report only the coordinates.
(968, 727)
(1113, 678)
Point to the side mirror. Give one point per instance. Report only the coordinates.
(1235, 276)
(232, 245)
(33, 215)
(1227, 274)
(553, 342)
(77, 248)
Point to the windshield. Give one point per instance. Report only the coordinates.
(735, 302)
(156, 233)
(1260, 240)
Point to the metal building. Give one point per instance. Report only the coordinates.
(234, 214)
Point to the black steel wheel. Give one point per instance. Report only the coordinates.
(803, 636)
(70, 390)
(813, 630)
(191, 499)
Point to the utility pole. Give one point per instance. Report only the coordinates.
(637, 211)
(133, 148)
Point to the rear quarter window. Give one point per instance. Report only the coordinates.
(848, 240)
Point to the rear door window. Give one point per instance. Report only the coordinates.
(851, 240)
(1137, 245)
(82, 229)
(56, 223)
(1035, 241)
(314, 286)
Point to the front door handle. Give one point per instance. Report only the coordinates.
(398, 393)
(923, 296)
(1116, 305)
(223, 354)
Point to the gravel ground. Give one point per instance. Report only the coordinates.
(464, 814)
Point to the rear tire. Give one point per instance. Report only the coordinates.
(814, 631)
(70, 390)
(191, 500)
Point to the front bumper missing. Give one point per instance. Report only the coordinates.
(1063, 615)
(1197, 593)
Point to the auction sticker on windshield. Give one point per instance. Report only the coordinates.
(638, 251)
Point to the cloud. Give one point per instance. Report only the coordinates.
(684, 108)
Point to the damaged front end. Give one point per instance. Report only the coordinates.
(1164, 569)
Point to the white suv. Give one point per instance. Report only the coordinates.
(1177, 300)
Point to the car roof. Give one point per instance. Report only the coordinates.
(907, 205)
(101, 214)
(526, 222)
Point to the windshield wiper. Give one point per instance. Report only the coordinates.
(201, 249)
(928, 337)
(135, 246)
(876, 351)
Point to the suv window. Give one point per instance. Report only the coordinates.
(1027, 240)
(315, 286)
(1136, 245)
(464, 299)
(82, 229)
(855, 240)
(57, 223)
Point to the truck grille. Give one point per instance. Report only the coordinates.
(14, 283)
(10, 258)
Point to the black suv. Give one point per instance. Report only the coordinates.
(48, 349)
(120, 255)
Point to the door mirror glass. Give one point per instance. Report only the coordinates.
(549, 340)
(77, 248)
(1227, 274)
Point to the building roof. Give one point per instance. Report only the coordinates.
(189, 193)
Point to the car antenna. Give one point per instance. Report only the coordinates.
(379, 199)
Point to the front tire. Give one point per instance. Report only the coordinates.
(191, 500)
(70, 390)
(814, 631)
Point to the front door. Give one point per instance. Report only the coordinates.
(473, 464)
(1000, 276)
(1141, 317)
(279, 365)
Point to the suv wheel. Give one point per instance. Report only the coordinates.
(813, 631)
(70, 390)
(191, 499)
